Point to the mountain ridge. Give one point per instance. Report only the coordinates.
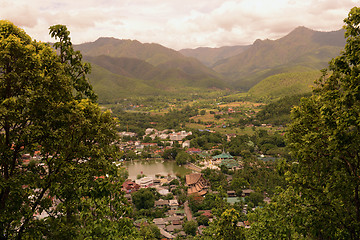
(153, 66)
(266, 55)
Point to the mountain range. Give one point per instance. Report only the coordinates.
(123, 68)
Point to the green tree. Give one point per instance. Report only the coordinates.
(325, 139)
(202, 220)
(238, 184)
(283, 218)
(182, 158)
(170, 153)
(149, 232)
(44, 113)
(226, 227)
(256, 198)
(143, 199)
(190, 227)
(75, 69)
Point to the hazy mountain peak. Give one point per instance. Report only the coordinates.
(259, 42)
(302, 29)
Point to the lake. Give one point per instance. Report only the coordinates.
(153, 167)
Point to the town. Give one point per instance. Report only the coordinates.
(176, 206)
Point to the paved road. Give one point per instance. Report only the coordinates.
(187, 211)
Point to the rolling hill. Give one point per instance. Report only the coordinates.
(268, 69)
(283, 84)
(303, 49)
(148, 68)
(209, 56)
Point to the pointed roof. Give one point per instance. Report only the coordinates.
(223, 155)
(193, 178)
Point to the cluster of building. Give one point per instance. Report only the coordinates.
(166, 134)
(171, 225)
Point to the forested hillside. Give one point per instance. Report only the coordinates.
(302, 48)
(147, 68)
(272, 68)
(210, 56)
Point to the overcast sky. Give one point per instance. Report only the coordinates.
(176, 24)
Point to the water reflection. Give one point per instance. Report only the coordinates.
(153, 167)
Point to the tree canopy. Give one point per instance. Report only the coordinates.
(325, 139)
(56, 176)
(322, 200)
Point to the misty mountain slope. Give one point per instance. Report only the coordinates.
(131, 68)
(152, 53)
(110, 86)
(209, 56)
(153, 64)
(128, 67)
(300, 48)
(171, 75)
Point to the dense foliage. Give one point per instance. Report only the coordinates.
(55, 143)
(278, 112)
(138, 122)
(321, 200)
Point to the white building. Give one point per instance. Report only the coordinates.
(145, 182)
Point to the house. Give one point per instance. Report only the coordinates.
(166, 234)
(186, 144)
(246, 192)
(173, 204)
(193, 150)
(150, 130)
(229, 163)
(173, 218)
(161, 203)
(150, 144)
(157, 181)
(176, 222)
(231, 193)
(178, 136)
(180, 213)
(127, 134)
(222, 156)
(172, 228)
(145, 182)
(196, 184)
(129, 186)
(160, 221)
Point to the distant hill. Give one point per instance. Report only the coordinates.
(268, 68)
(303, 49)
(152, 53)
(149, 67)
(209, 56)
(283, 84)
(278, 112)
(111, 87)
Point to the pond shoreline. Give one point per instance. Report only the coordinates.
(153, 167)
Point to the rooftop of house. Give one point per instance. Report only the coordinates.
(223, 155)
(193, 178)
(229, 163)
